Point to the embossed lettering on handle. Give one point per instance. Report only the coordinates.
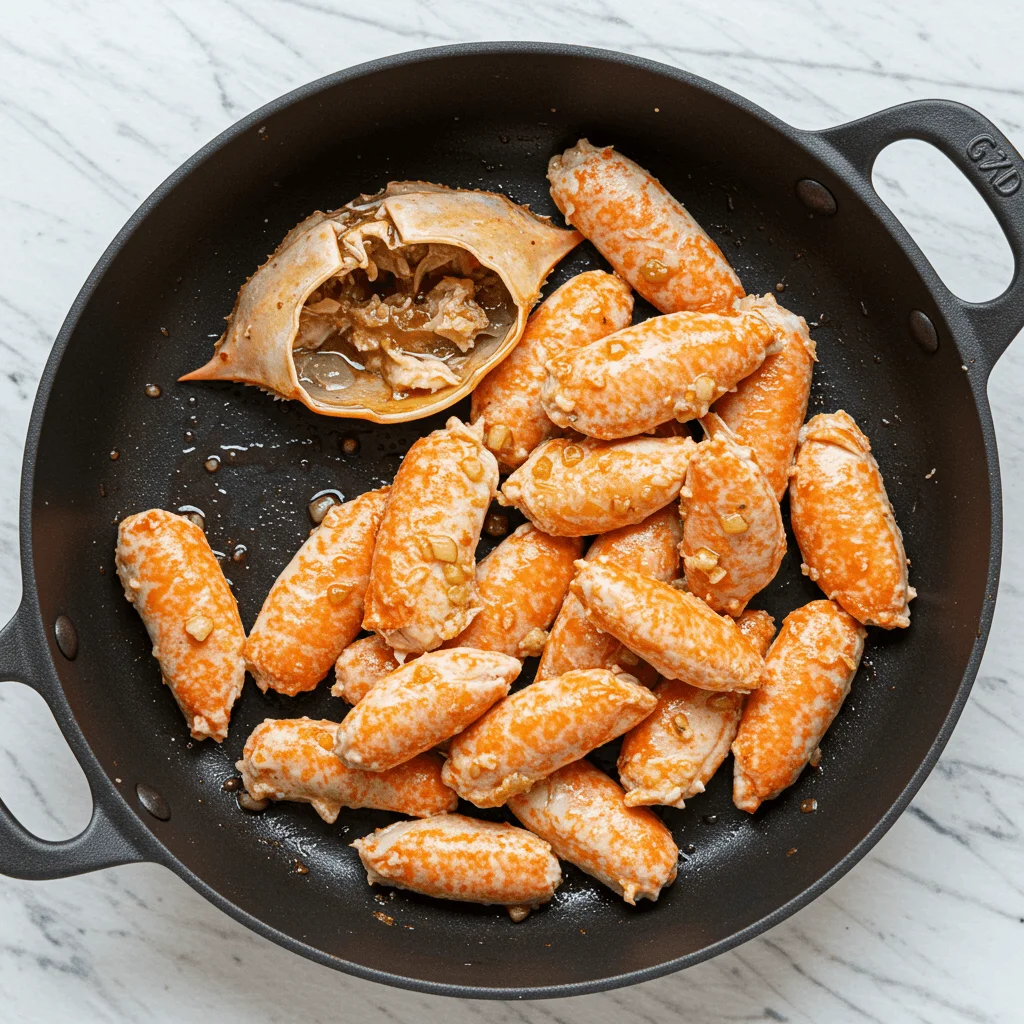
(994, 164)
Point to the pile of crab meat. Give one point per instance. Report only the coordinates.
(411, 316)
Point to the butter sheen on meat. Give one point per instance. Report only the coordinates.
(587, 307)
(650, 547)
(171, 576)
(422, 587)
(315, 607)
(644, 232)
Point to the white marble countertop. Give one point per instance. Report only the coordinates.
(99, 101)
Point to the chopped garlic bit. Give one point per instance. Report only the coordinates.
(734, 523)
(473, 468)
(702, 560)
(498, 437)
(532, 645)
(704, 388)
(716, 575)
(453, 574)
(681, 724)
(199, 627)
(444, 549)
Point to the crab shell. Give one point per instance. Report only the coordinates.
(519, 246)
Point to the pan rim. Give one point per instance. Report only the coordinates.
(959, 331)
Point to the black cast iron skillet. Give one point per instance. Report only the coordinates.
(896, 349)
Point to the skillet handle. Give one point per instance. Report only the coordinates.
(104, 842)
(991, 164)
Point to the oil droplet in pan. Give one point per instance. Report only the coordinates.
(322, 502)
(194, 515)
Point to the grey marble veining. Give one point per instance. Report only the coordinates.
(100, 101)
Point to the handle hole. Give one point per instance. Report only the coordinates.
(40, 780)
(946, 217)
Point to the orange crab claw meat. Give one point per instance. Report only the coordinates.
(540, 728)
(668, 367)
(642, 230)
(576, 488)
(808, 672)
(422, 704)
(361, 666)
(677, 633)
(733, 537)
(453, 857)
(315, 607)
(520, 587)
(293, 759)
(767, 409)
(650, 547)
(582, 814)
(171, 576)
(432, 523)
(587, 307)
(673, 753)
(844, 523)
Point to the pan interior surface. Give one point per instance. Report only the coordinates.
(486, 121)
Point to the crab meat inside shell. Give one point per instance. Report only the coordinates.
(410, 319)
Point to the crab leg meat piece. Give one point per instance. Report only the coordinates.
(582, 814)
(422, 704)
(587, 307)
(452, 857)
(293, 759)
(673, 753)
(844, 523)
(171, 576)
(422, 589)
(575, 488)
(650, 547)
(808, 672)
(361, 666)
(520, 584)
(733, 537)
(315, 607)
(677, 633)
(641, 229)
(766, 410)
(540, 728)
(668, 367)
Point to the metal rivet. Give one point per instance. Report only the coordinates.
(153, 801)
(67, 637)
(923, 330)
(816, 197)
